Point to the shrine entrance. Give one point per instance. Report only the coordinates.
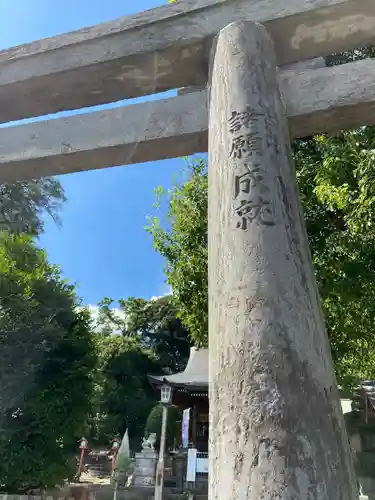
(269, 361)
(190, 391)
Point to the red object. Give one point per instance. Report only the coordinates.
(114, 456)
(115, 448)
(83, 444)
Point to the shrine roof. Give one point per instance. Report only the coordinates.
(195, 375)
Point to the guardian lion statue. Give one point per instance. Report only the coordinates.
(149, 443)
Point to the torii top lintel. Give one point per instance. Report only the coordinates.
(166, 48)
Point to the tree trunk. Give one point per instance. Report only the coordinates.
(276, 425)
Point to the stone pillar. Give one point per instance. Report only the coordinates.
(159, 480)
(144, 470)
(276, 426)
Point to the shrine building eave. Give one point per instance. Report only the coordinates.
(193, 379)
(157, 381)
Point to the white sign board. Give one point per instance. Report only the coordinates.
(202, 465)
(191, 465)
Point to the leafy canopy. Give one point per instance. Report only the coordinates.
(141, 337)
(154, 323)
(47, 353)
(24, 205)
(174, 421)
(47, 358)
(184, 246)
(123, 397)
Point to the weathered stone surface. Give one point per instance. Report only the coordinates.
(276, 425)
(300, 66)
(120, 136)
(316, 63)
(144, 470)
(165, 48)
(323, 99)
(329, 99)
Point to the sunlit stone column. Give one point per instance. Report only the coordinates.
(276, 427)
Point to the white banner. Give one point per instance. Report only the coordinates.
(185, 428)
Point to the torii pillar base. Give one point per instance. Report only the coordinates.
(276, 426)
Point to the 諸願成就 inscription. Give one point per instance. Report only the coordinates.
(251, 194)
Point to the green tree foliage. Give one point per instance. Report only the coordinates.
(124, 396)
(336, 177)
(23, 205)
(154, 323)
(184, 246)
(174, 420)
(44, 341)
(140, 337)
(47, 358)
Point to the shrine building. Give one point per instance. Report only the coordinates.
(190, 390)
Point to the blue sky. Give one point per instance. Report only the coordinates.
(102, 245)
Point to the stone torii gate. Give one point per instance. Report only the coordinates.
(276, 426)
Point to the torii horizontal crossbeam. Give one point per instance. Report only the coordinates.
(166, 48)
(318, 100)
